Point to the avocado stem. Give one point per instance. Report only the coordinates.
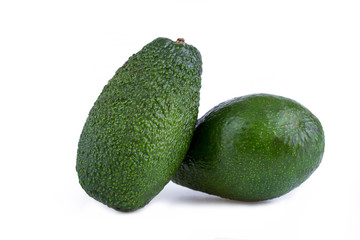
(180, 41)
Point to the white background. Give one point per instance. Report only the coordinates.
(56, 56)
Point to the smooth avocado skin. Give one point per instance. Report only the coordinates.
(140, 127)
(253, 148)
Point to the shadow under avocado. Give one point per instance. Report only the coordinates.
(178, 194)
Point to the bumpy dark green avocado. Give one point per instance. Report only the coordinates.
(253, 148)
(140, 127)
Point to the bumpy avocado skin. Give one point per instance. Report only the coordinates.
(140, 127)
(253, 148)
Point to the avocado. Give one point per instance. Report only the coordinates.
(140, 127)
(253, 148)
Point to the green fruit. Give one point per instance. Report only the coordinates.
(140, 127)
(253, 148)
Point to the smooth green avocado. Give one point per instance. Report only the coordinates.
(253, 148)
(140, 127)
